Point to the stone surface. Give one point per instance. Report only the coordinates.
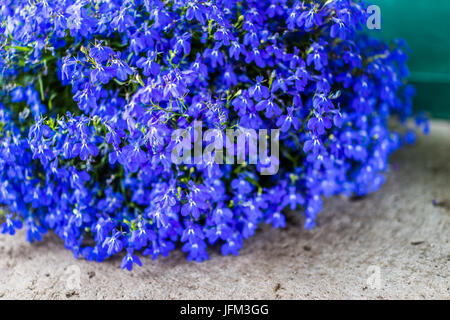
(399, 236)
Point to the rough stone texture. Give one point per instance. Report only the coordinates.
(398, 230)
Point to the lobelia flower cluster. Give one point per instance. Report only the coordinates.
(92, 91)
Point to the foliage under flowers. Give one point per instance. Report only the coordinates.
(91, 91)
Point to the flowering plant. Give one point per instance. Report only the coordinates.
(92, 92)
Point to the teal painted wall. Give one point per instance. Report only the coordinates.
(425, 25)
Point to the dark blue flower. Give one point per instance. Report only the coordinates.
(100, 53)
(317, 56)
(232, 245)
(102, 74)
(277, 219)
(214, 55)
(313, 143)
(120, 69)
(122, 21)
(310, 18)
(193, 206)
(286, 121)
(259, 91)
(129, 260)
(34, 231)
(113, 243)
(271, 108)
(148, 64)
(319, 123)
(11, 224)
(84, 149)
(197, 11)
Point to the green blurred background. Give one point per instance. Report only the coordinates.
(425, 25)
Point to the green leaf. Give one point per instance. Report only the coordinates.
(53, 96)
(19, 48)
(41, 87)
